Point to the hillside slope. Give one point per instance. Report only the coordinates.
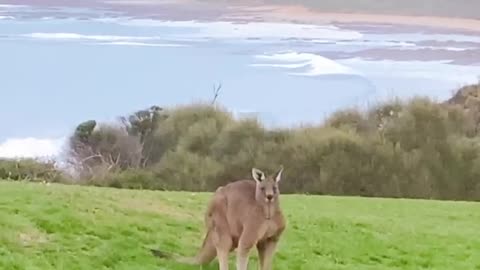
(69, 227)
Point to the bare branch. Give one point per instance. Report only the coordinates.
(90, 157)
(216, 92)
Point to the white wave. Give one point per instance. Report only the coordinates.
(266, 30)
(106, 39)
(429, 70)
(129, 43)
(6, 17)
(453, 49)
(416, 37)
(321, 41)
(314, 65)
(381, 43)
(401, 45)
(75, 36)
(288, 66)
(30, 147)
(5, 6)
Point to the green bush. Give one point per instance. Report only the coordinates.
(416, 148)
(130, 178)
(194, 126)
(30, 170)
(181, 170)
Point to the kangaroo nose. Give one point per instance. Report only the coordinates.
(269, 197)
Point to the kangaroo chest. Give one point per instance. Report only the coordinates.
(267, 229)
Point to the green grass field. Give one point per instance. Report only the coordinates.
(71, 227)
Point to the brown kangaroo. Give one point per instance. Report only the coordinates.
(241, 215)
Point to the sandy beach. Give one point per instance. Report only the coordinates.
(259, 10)
(244, 11)
(302, 14)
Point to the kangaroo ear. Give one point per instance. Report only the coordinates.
(258, 175)
(278, 176)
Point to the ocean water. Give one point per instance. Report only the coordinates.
(60, 70)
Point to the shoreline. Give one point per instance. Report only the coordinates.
(253, 11)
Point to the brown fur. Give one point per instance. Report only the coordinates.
(240, 216)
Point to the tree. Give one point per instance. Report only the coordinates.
(95, 150)
(143, 124)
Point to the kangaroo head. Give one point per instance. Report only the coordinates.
(267, 186)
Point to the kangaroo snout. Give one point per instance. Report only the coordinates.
(269, 197)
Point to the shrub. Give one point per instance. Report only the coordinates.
(416, 148)
(182, 170)
(130, 178)
(30, 170)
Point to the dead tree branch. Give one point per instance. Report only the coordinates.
(216, 92)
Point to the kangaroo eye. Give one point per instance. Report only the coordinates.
(274, 190)
(262, 188)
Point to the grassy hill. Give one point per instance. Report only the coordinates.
(71, 227)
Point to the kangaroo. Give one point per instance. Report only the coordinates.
(242, 215)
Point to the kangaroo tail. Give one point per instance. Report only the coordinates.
(178, 258)
(205, 255)
(208, 251)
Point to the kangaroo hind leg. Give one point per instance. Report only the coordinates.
(223, 245)
(208, 251)
(266, 251)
